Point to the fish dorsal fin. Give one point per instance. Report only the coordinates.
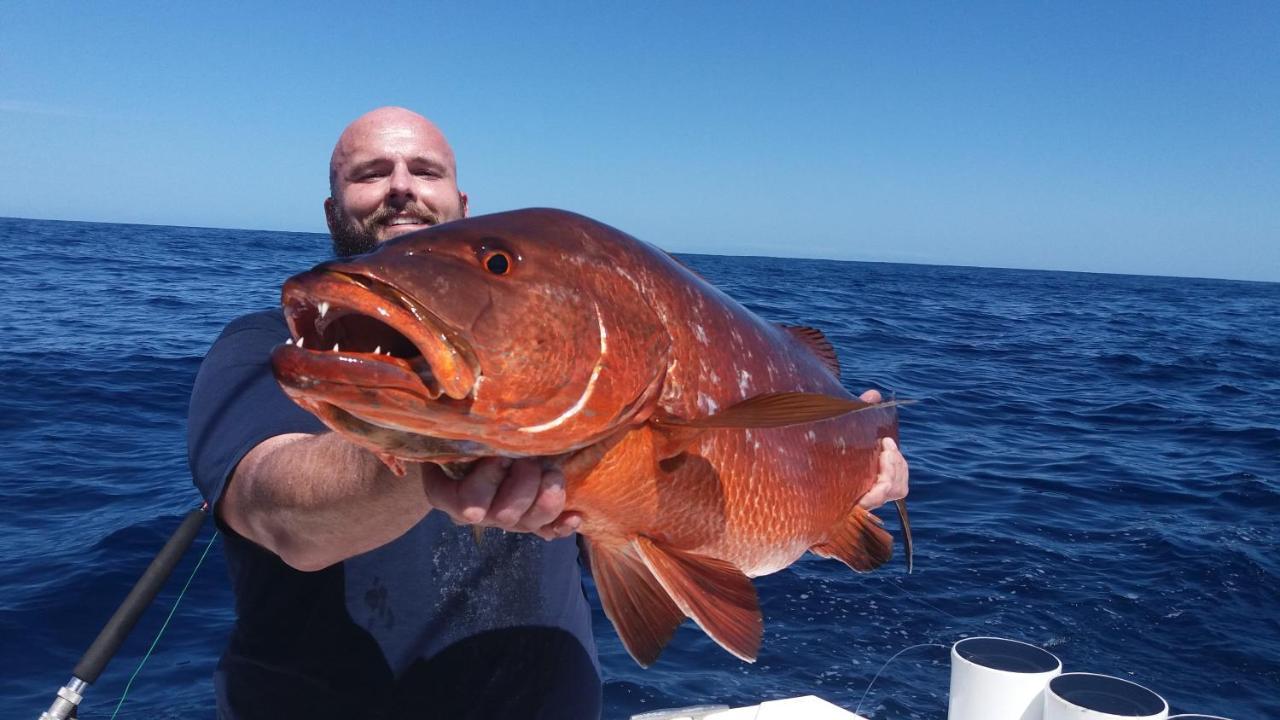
(713, 592)
(641, 610)
(775, 410)
(858, 541)
(818, 343)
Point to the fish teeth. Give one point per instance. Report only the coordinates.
(299, 342)
(324, 309)
(288, 341)
(377, 350)
(335, 347)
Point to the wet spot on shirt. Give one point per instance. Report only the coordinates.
(376, 598)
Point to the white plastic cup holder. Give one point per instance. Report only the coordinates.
(1088, 696)
(999, 679)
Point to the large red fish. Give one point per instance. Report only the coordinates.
(701, 444)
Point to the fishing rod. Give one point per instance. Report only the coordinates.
(95, 659)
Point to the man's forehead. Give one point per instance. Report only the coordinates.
(394, 139)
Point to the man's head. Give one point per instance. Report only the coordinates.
(392, 172)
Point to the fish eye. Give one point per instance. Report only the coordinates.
(497, 262)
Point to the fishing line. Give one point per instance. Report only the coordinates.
(172, 610)
(912, 596)
(885, 665)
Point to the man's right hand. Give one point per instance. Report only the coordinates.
(518, 496)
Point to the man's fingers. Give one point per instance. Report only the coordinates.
(442, 490)
(893, 470)
(567, 524)
(874, 498)
(516, 495)
(476, 491)
(870, 396)
(549, 503)
(513, 495)
(891, 480)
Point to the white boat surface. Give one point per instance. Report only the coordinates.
(805, 707)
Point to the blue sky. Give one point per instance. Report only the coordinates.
(1114, 137)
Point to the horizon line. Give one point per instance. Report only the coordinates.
(743, 255)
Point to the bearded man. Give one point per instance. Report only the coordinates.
(353, 598)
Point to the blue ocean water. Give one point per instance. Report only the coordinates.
(1095, 467)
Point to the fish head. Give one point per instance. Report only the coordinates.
(510, 334)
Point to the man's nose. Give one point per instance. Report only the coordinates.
(401, 181)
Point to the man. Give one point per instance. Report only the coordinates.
(352, 598)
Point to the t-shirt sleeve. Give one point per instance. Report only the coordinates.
(236, 402)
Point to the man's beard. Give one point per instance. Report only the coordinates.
(352, 237)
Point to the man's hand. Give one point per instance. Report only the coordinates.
(891, 482)
(513, 495)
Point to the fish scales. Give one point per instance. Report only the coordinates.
(702, 444)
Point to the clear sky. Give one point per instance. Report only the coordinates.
(1116, 136)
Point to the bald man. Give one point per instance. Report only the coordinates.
(352, 598)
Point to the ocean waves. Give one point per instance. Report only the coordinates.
(1095, 466)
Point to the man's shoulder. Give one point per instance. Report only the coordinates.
(249, 335)
(269, 319)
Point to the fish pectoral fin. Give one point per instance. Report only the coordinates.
(858, 541)
(715, 593)
(672, 439)
(817, 343)
(641, 611)
(775, 410)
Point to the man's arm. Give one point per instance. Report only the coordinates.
(316, 500)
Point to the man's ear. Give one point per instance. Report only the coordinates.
(465, 209)
(331, 214)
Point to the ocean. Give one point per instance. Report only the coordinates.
(1095, 469)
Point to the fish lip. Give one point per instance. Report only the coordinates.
(453, 368)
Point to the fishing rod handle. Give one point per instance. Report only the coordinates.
(113, 634)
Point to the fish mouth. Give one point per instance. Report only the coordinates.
(350, 330)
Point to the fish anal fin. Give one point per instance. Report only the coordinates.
(640, 609)
(715, 593)
(858, 541)
(772, 410)
(817, 343)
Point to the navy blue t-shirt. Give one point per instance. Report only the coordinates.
(431, 625)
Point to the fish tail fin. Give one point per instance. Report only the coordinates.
(858, 541)
(715, 593)
(641, 611)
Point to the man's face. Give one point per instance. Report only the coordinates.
(394, 173)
